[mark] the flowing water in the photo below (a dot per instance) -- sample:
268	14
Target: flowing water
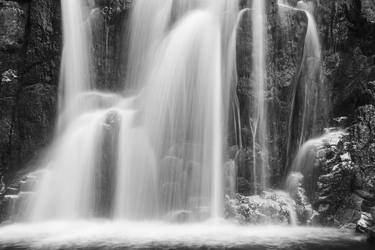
308	91
259	110
153	235
303	167
155	155
75	66
126	169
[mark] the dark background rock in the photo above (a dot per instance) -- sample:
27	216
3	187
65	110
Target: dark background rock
30	48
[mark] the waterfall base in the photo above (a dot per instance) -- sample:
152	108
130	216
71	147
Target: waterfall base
209	235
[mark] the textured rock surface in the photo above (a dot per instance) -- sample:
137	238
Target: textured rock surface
345	191
30	47
269	207
108	21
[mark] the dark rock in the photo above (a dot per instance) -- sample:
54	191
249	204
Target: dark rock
108	23
12	25
35	116
30	47
43	47
371	234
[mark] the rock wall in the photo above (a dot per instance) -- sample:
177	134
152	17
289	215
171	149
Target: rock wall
346	29
30	53
30	48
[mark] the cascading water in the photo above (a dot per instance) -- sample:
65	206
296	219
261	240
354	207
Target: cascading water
259	110
303	167
160	153
157	152
311	75
75	65
306	96
145	36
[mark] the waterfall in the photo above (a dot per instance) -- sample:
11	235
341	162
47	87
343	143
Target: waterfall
75	63
259	110
308	94
232	78
312	61
145	36
303	167
159	153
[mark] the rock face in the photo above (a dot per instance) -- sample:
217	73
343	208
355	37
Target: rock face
30	47
345	187
30	50
108	21
346	29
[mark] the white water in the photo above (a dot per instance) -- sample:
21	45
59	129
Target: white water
312	60
308	92
259	110
145	37
304	164
75	64
121	234
232	78
159	154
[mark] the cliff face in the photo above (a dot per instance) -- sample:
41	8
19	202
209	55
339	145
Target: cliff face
346	78
30	49
347	29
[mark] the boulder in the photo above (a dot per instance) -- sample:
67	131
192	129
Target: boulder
274	207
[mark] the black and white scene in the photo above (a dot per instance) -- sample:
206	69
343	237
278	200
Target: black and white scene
187	124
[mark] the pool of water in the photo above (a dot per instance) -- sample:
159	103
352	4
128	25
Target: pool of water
146	235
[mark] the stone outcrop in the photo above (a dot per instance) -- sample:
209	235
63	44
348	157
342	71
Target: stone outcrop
345	191
270	207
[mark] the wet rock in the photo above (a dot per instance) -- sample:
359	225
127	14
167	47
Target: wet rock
18	195
43	50
295	189
12	25
345	190
269	207
35	115
244	186
109	25
30	48
230	178
365	222
9	84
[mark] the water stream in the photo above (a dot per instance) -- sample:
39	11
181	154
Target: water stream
259	110
159	153
308	91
